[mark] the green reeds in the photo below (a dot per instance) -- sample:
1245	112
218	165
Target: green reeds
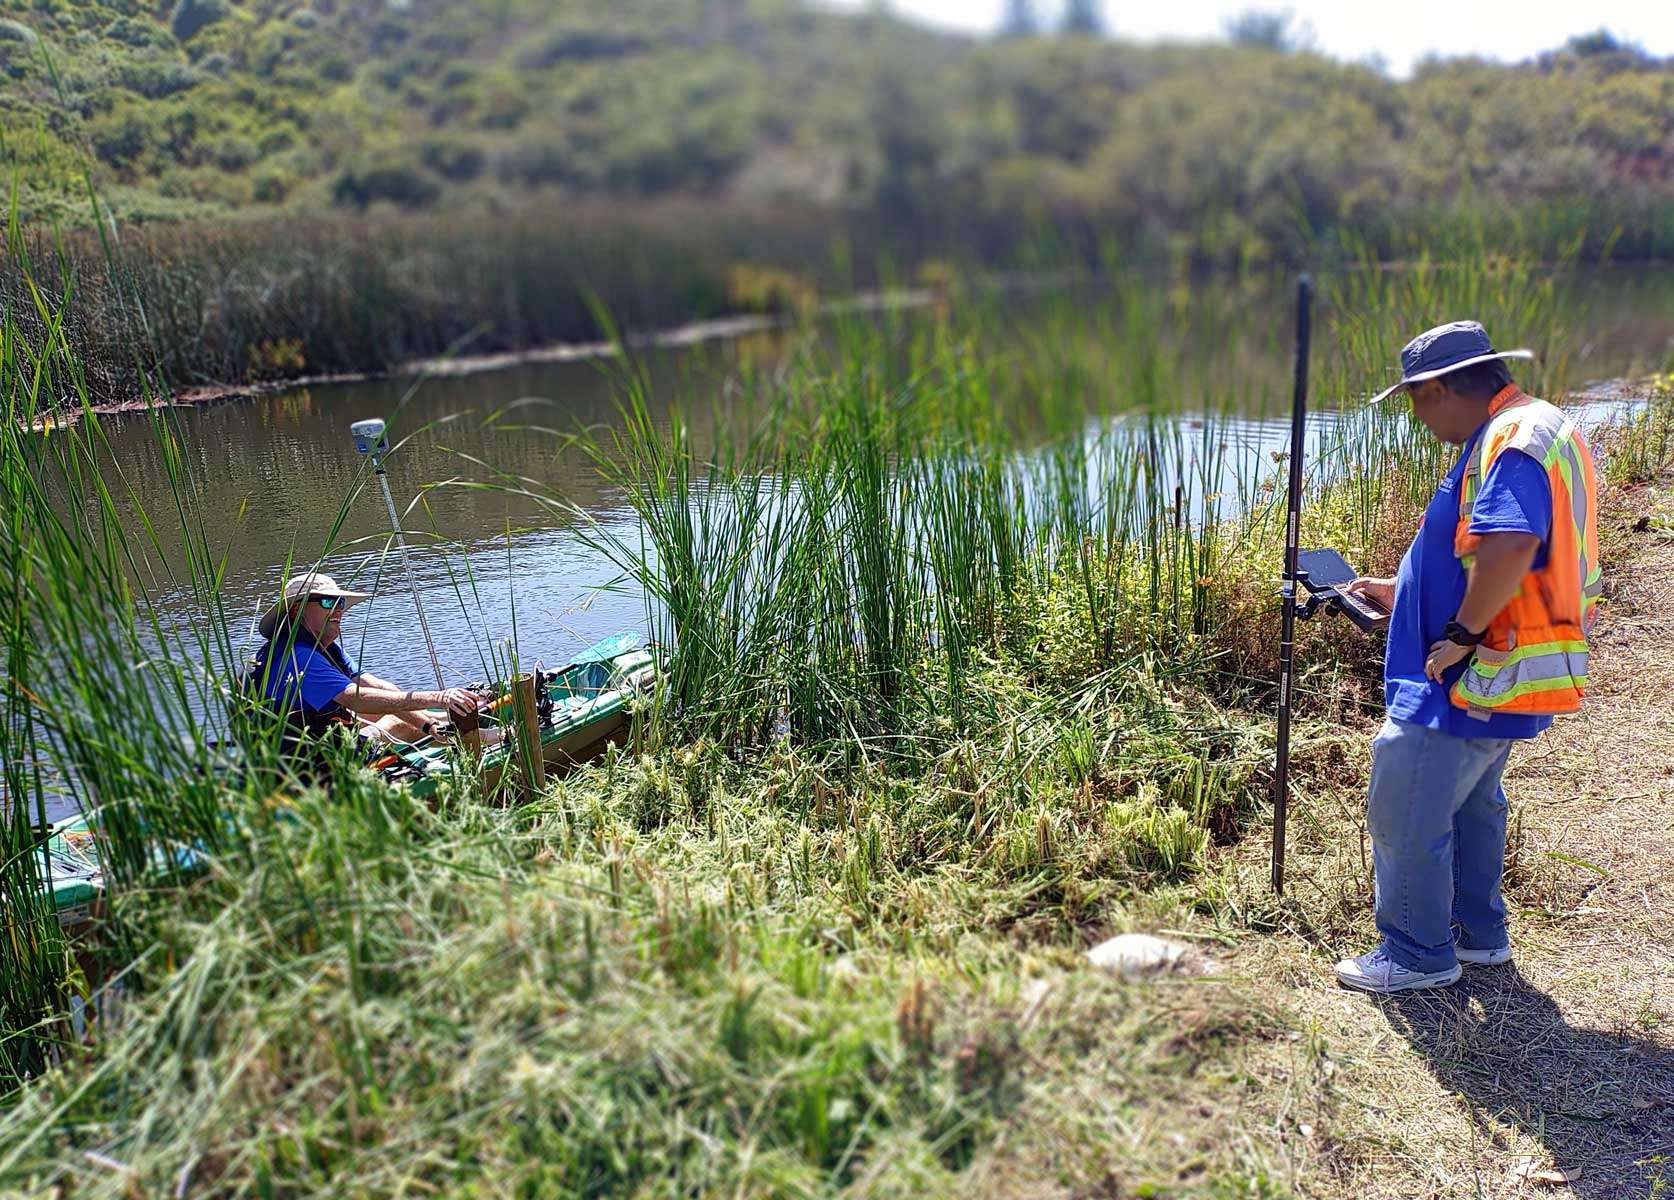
84	696
245	302
1638	445
904	486
120	688
845	568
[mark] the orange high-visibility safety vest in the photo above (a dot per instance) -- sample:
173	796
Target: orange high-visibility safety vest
1534	656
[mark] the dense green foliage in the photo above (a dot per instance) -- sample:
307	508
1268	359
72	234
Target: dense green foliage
210	106
491	172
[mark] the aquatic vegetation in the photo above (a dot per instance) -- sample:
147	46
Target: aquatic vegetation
907	503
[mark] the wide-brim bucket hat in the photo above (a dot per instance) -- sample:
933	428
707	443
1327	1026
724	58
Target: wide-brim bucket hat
304	587
1443	350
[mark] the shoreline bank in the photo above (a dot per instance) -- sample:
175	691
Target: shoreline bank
685	335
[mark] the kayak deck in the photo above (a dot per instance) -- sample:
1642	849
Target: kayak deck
583	706
76	879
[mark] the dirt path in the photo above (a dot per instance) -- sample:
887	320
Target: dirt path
1553	1076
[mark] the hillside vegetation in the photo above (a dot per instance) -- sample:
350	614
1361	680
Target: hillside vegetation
206	107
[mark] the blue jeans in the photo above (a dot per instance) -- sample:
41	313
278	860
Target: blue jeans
1436	813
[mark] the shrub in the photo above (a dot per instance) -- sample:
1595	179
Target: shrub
155	79
274	358
387	34
581	43
458	161
208	186
770	290
133	31
233	153
398	183
276	141
536	163
16	31
122	138
193	16
270	186
504	108
336	68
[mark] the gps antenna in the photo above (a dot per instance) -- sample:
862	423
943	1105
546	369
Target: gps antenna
370	441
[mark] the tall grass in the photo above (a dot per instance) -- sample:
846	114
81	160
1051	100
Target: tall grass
1638	446
336	991
247	301
120	688
113	724
848	565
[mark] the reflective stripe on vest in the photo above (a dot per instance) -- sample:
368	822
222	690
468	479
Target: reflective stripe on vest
1524	679
1533	659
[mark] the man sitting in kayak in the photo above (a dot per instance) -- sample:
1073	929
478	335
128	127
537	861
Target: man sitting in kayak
303	671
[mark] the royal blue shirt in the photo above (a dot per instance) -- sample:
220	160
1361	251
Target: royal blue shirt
307	673
1516	497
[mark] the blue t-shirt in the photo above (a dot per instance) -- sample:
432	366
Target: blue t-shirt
1515	497
306	672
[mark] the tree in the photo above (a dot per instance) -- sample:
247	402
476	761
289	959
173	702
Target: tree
906	118
1020	20
191	16
1084	18
1270	29
1600	41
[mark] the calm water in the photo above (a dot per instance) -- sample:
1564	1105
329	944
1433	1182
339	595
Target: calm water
273	473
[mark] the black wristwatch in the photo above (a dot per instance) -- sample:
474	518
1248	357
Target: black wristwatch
1460	636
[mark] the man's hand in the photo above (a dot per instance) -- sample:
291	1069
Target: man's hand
383	702
1380	592
457	701
1443	655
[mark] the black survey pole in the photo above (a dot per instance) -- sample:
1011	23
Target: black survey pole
1287	636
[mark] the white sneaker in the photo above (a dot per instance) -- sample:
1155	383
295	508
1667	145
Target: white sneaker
1377	972
1483	958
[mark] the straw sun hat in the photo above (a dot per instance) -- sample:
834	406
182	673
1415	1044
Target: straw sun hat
303	587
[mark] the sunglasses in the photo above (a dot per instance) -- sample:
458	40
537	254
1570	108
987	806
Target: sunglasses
327	602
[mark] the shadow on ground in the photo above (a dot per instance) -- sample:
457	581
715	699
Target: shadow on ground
1602	1103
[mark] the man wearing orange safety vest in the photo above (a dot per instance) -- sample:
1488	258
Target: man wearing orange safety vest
1487	641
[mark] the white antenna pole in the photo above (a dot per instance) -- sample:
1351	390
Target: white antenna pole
370	440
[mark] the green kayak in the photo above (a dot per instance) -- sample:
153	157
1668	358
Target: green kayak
581	709
76	880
